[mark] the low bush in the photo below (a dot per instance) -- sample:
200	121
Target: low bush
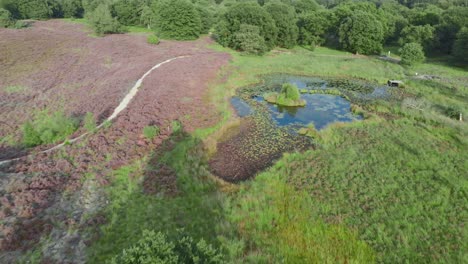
411	54
48	128
89	122
150	132
152	39
289	96
158	248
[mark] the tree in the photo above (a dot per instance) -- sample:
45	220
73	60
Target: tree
285	21
460	48
25	9
360	33
5	18
147	16
313	27
158	248
418	34
178	19
453	19
72	8
411	54
128	12
246	13
248	40
102	21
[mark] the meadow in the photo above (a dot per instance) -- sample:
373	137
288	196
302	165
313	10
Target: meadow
389	189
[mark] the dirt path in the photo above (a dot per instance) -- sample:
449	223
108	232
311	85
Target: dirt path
123	104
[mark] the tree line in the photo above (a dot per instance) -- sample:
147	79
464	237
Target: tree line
434	27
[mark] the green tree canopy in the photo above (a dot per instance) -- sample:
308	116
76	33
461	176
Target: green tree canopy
285	21
418	34
360	33
246	13
178	19
314	26
460	48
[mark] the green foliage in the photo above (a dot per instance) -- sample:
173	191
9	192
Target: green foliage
285	21
72	8
47	129
35	9
178	19
246	13
460	48
150	132
418	34
157	248
360	33
290	91
313	27
89	122
6	19
248	40
147	16
289	96
411	54
282	225
152	39
206	18
128	12
102	21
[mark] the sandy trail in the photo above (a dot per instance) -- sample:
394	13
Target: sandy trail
122	106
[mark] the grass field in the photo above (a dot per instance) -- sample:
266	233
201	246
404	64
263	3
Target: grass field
387	190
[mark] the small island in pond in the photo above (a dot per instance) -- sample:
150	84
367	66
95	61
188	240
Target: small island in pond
289	96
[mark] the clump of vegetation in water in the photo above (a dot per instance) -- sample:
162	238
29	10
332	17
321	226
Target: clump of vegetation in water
48	128
289	96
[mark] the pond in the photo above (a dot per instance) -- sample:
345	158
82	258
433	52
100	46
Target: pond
321	110
266	130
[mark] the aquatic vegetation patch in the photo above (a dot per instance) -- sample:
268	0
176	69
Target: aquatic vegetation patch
289	96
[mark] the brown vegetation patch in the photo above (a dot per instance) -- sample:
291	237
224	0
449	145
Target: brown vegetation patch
82	74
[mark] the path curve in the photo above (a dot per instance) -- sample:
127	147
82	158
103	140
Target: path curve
122	106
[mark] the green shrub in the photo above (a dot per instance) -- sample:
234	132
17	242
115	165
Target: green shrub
48	128
89	122
289	96
102	21
248	40
150	132
157	248
290	91
411	54
178	19
5	18
21	24
152	39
